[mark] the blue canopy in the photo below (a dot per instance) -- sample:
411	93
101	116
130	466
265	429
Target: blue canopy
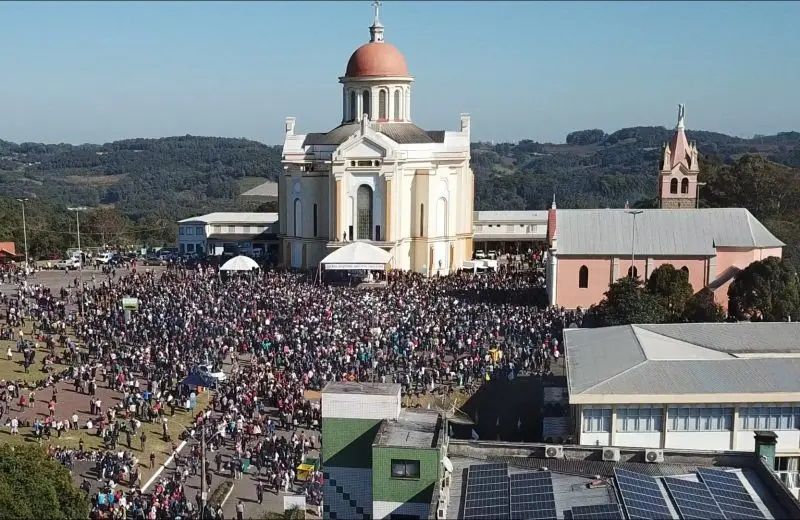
199	379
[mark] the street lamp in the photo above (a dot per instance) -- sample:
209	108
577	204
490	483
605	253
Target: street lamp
633	238
24	229
77	211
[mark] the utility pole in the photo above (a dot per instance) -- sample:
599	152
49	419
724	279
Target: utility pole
77	211
24	231
203	491
633	240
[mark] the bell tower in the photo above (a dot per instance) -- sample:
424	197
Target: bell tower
677	179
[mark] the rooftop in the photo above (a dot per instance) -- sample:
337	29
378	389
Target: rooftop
401	133
660	232
415	428
690	362
234	217
341	387
267	189
510	216
582	479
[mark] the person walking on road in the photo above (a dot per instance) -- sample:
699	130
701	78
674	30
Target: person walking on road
240	510
260	492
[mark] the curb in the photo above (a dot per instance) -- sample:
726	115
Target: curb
161	468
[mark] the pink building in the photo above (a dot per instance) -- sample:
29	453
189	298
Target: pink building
591	248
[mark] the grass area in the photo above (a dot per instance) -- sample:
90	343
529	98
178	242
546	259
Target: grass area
13	370
95	180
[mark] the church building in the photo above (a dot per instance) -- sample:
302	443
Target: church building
377	177
591	248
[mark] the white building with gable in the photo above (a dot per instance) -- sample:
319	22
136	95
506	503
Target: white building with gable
378	177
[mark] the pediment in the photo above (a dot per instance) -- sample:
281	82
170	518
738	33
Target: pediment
369	146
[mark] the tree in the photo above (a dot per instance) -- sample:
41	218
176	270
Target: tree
625	302
672	288
33	484
702	308
766	290
293	513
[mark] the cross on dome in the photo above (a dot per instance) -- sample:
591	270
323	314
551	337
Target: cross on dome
376	29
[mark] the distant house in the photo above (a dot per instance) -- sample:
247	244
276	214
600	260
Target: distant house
253	234
8	252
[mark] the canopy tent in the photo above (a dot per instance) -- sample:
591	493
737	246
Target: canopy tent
199	379
357	256
239	263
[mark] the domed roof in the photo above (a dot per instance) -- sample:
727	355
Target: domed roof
376	59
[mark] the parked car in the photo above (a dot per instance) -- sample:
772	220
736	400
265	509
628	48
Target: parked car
69	263
205	369
104	258
154	260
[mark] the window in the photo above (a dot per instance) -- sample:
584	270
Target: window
699	418
422	220
633	272
673	186
183	248
397	105
639	419
181	231
769	418
685	270
382	101
189	231
596	420
190	248
364	212
405	468
315	220
353	106
364	163
198	230
685	185
365	103
583	277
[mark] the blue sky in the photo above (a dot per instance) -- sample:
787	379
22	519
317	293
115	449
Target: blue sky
100	71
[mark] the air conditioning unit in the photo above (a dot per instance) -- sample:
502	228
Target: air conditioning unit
611	454
554	452
654	456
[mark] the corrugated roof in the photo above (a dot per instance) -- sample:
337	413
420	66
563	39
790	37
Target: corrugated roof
614	360
401	133
659	232
234	217
539	217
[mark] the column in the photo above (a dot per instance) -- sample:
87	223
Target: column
734	427
664	422
614	269
648	268
613	435
387	208
337	211
712	270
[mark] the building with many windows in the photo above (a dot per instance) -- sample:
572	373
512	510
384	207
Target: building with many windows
377	176
214	234
702	386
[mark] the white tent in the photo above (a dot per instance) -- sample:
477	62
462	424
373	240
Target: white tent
239	263
357	256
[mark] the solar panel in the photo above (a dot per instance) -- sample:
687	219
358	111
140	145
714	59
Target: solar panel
598	512
728	490
693	499
641	495
487	493
532	496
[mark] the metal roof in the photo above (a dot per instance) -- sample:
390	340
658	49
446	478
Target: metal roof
268	189
234	217
659	232
538	217
401	133
689	358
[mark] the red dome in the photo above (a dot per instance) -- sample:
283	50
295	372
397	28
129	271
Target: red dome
376	59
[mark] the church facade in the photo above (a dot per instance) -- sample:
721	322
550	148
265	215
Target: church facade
377	177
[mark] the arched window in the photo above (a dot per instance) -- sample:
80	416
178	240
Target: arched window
685	185
397	105
365	103
382	108
673	186
633	272
364	212
422	220
583	277
685	270
298	218
353	106
315	220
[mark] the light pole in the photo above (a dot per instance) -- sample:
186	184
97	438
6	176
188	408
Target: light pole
24	230
633	239
203	440
77	211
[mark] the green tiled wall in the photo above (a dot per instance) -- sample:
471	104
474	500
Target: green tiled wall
388	489
348	442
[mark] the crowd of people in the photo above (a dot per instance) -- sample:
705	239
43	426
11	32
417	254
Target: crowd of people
276	335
